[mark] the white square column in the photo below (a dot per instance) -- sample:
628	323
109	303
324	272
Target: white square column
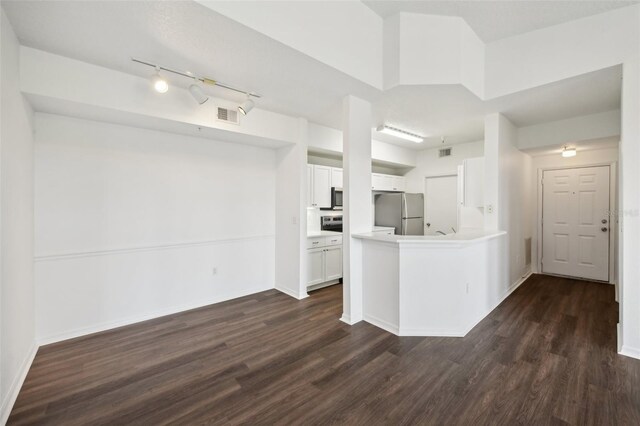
356	146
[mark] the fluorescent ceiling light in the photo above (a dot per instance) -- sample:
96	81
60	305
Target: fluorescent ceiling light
198	94
568	152
400	133
246	106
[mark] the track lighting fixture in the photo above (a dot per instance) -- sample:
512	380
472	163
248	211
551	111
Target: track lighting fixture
403	134
159	83
198	93
246	106
568	152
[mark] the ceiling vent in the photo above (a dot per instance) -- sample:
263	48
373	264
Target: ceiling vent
228	115
444	152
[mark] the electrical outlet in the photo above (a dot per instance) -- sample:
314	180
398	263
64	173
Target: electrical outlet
294	220
489	208
214	271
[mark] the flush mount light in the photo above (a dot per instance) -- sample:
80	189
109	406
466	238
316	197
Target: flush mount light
568	152
198	94
403	134
246	106
159	83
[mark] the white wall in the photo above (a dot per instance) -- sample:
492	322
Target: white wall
507	187
328	140
594	126
17	329
291	217
330	32
131	222
428	163
584	158
554	53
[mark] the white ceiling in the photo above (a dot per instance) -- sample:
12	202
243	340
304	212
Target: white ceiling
494	20
186	35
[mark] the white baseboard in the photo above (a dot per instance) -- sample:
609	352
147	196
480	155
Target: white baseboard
108	325
347	319
380	323
14	389
513	287
291	293
630	352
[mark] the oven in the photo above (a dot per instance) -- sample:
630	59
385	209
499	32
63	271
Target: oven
331	223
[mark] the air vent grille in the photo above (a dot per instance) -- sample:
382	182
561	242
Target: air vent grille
228	115
444	152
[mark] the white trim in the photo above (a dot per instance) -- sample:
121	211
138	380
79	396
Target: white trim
347	319
329	283
630	352
108	325
291	293
152	247
380	323
613	225
513	287
18	381
428	332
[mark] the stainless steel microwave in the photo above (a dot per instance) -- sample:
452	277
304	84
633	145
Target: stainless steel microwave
336	198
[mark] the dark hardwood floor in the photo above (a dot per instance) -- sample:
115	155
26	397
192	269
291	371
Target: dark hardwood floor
546	355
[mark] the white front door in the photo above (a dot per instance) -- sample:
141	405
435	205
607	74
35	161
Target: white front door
575	222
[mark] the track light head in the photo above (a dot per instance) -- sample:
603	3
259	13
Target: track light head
246	106
198	94
159	83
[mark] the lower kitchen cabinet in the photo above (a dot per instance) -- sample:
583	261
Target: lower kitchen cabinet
324	261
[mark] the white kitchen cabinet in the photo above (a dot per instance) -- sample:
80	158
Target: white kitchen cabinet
315	266
336	177
398	183
333	263
382	182
319	189
324	260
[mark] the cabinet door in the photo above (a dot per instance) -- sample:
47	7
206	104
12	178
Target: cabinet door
309	185
398	183
336	177
378	182
315	266
333	263
322	186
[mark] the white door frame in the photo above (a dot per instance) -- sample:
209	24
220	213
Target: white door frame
441	175
613	220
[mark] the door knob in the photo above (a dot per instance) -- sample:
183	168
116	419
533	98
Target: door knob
604	229
604	220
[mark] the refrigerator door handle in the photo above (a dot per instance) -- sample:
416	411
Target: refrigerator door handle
405	210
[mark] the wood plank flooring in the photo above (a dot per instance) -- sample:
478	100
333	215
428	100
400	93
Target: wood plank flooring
546	355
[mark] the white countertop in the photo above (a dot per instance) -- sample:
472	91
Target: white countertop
464	236
322	234
383	228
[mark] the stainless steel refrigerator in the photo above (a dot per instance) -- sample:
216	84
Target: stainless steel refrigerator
405	212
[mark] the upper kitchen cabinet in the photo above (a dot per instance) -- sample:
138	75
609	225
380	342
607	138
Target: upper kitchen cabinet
381	182
336	177
319	186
